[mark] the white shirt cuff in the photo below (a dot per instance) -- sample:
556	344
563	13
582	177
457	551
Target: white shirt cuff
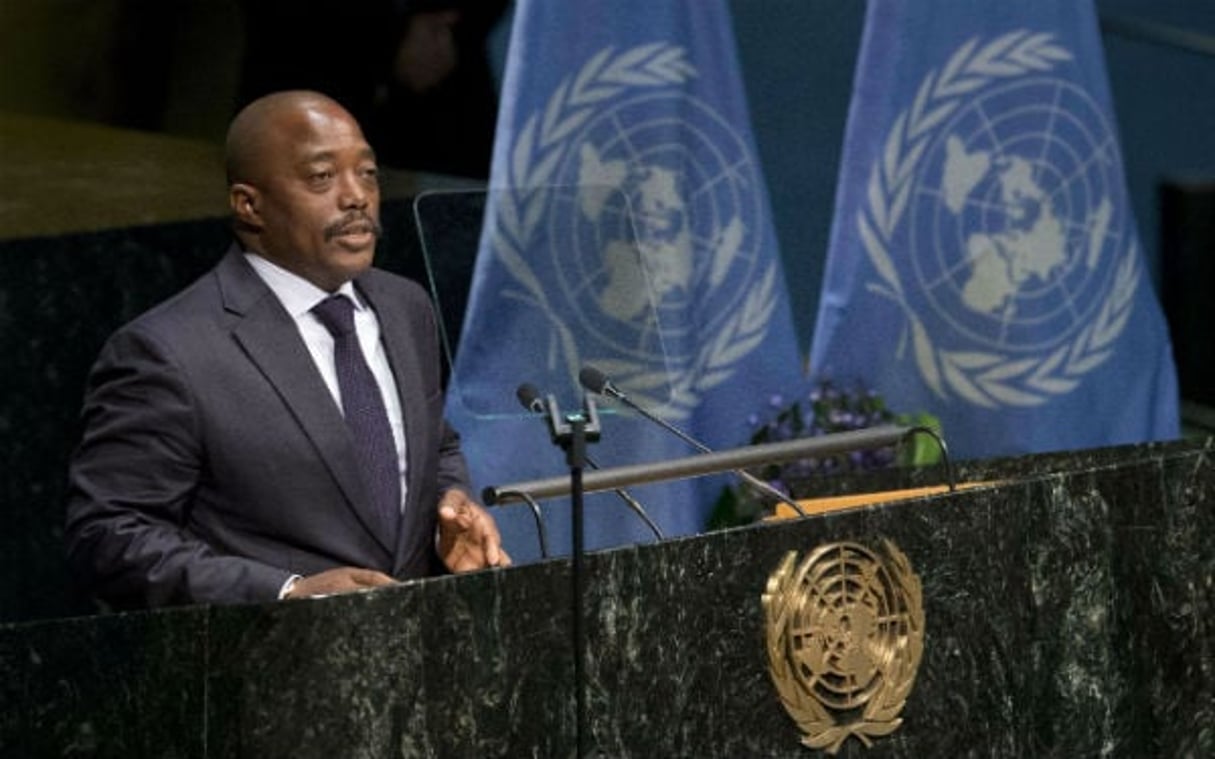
288	585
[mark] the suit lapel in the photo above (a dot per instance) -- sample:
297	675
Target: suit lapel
269	336
397	336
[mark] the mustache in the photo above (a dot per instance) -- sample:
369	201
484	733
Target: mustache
351	220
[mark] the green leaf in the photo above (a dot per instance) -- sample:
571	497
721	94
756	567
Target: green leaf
920	450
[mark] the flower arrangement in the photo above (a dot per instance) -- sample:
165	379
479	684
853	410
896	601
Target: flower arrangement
825	409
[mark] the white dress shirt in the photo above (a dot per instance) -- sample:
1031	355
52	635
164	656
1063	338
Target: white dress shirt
298	297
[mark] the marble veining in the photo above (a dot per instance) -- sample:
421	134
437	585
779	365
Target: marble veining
1068	613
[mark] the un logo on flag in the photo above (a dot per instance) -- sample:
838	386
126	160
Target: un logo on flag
634	223
1001	188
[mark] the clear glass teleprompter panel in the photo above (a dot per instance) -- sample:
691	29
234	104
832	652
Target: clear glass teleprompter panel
558	281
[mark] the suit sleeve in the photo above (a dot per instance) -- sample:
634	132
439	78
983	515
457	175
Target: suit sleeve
131	481
453	468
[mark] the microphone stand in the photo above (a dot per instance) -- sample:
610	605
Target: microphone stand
530	398
572	433
577	460
756	484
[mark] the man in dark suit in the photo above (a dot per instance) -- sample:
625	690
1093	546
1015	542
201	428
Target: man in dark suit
225	456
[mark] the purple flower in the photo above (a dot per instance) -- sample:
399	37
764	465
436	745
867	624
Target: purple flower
825	409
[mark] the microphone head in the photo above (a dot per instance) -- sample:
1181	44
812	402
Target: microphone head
530	398
594	380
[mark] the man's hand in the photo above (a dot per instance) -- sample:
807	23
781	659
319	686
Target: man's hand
340	580
468	537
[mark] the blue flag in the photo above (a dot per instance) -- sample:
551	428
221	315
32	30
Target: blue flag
984	264
627	227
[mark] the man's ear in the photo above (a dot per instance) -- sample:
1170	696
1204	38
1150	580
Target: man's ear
245	202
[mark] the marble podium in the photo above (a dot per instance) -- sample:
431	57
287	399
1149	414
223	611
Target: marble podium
1069	611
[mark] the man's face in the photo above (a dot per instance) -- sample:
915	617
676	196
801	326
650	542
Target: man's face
316	195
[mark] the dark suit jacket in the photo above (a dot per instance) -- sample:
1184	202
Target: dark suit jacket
215	463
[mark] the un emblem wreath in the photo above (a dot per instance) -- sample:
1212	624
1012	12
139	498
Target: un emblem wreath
984	378
844	634
535	156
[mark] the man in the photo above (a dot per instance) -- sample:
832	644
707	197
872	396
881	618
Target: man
240	445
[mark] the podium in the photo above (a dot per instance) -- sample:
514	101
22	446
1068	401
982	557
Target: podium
1069	610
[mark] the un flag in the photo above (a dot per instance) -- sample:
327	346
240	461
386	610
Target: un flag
627	227
984	263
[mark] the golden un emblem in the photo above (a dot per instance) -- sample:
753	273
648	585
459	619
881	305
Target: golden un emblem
845	633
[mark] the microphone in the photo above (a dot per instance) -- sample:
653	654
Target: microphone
531	399
597	382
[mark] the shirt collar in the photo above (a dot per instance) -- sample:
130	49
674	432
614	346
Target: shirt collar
297	294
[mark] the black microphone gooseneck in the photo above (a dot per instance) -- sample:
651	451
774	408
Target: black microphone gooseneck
531	399
541	532
597	382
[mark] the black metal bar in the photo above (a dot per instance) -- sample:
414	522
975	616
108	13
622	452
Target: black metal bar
577	461
705	463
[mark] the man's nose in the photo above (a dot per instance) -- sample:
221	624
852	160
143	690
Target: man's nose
352	193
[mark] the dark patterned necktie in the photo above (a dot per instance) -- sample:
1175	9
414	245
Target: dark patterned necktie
365	414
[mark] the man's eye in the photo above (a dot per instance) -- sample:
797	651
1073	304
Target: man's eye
371	172
321	176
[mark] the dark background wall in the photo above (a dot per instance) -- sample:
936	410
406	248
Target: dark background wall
90	234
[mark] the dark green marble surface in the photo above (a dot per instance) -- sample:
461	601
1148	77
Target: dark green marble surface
1069	612
131	685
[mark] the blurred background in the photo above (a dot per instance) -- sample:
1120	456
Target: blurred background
422	76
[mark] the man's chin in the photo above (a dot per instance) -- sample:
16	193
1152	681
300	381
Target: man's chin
344	264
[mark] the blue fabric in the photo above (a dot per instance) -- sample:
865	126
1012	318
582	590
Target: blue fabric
984	263
628	228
